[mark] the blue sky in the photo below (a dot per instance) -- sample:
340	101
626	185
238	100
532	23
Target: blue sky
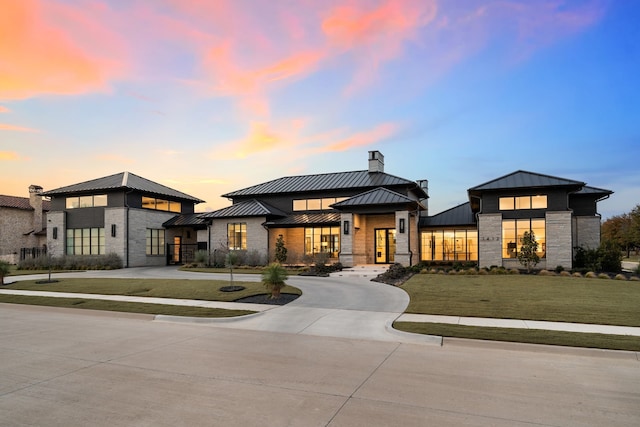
209	97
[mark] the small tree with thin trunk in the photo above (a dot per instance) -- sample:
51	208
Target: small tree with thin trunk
273	278
528	254
4	271
281	250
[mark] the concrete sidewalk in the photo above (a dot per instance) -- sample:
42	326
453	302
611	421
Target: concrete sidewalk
329	329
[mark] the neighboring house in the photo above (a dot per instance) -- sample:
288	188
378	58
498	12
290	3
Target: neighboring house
22	225
357	217
561	214
123	214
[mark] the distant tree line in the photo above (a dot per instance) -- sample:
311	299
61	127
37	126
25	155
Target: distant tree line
623	230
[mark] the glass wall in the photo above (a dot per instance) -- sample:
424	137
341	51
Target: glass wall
449	245
85	241
513	232
322	240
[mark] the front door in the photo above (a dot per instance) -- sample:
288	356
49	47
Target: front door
177	250
385	245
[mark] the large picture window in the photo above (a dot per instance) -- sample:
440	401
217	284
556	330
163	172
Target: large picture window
85	241
155	241
513	232
522	202
92	201
449	245
322	240
237	236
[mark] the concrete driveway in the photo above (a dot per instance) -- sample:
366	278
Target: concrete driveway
347	306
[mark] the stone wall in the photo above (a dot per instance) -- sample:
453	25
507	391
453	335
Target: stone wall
257	236
346	240
489	239
559	240
586	231
117	244
14	226
403	242
56	223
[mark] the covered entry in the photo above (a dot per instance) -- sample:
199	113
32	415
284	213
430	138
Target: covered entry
385	245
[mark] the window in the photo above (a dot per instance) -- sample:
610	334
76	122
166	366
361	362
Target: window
86	201
449	245
237	236
161	205
155	241
522	202
85	241
513	232
322	240
316	204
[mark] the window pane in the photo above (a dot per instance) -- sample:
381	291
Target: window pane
438	246
509	242
86	201
326	203
506	203
162	205
313	204
538	228
523	202
472	244
69	242
539	202
175	207
148	202
73	202
100	200
299	205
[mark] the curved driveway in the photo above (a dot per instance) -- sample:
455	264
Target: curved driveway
337	306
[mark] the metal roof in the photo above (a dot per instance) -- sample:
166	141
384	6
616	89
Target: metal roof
593	190
323	182
186	220
377	196
456	216
21	203
125	181
331	218
524	179
244	209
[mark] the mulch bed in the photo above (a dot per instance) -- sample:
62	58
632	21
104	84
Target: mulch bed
265	299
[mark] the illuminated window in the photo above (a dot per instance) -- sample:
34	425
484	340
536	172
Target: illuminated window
86	201
449	245
161	204
513	232
155	241
85	241
237	236
316	204
322	240
523	202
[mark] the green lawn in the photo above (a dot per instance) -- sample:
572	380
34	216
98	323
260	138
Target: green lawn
208	290
561	299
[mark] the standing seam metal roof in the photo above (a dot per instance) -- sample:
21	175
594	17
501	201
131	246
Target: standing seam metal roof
122	180
377	196
456	216
525	179
321	182
244	209
330	218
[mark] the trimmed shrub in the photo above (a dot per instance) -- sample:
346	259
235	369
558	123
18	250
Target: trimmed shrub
567	274
635	278
591	275
546	273
424	271
514	271
620	277
603	276
577	274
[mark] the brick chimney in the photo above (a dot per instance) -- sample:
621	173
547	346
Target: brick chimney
376	162
35	200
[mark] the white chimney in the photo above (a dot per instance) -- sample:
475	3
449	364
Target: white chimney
376	161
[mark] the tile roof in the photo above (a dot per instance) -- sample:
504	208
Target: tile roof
377	196
322	182
456	216
330	218
186	220
524	179
244	209
21	203
122	180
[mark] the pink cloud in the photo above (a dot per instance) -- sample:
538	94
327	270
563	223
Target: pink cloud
4	109
16	128
379	133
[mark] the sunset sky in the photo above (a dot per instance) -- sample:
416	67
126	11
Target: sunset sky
210	96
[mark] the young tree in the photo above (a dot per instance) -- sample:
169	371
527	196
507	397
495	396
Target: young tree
4	271
273	278
231	260
281	250
528	255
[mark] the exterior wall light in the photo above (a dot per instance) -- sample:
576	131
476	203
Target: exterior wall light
55	233
346	227
401	225
113	230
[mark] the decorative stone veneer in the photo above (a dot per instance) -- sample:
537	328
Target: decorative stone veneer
117	244
139	221
559	239
257	235
586	231
403	243
56	220
489	240
15	224
346	240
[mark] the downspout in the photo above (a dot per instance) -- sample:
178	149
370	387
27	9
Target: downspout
126	242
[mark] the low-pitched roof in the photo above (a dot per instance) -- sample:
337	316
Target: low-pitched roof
21	203
186	220
525	179
377	196
328	218
322	182
593	190
122	181
456	216
244	209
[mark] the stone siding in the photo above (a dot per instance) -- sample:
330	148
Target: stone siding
586	231
14	226
257	236
403	242
489	240
56	220
117	244
346	240
559	240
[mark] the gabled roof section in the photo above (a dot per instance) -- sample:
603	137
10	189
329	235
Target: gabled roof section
331	218
593	190
186	220
21	203
456	216
122	181
245	209
323	182
377	196
525	179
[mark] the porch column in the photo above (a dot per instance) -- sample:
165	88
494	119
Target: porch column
403	238
347	230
